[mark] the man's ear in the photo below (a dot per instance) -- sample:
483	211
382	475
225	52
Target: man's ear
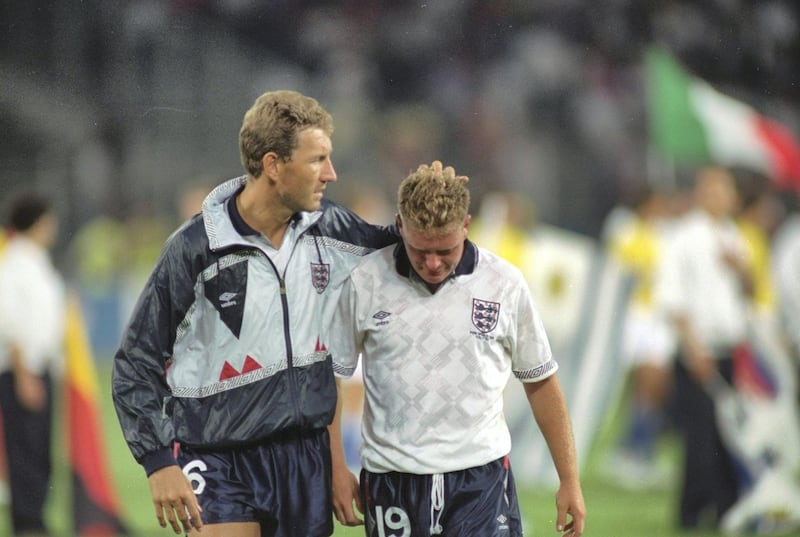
467	220
270	162
399	221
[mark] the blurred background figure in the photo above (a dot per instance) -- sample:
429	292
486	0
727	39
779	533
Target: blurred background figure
32	308
4	492
3	467
785	267
190	200
765	378
703	287
758	217
503	224
648	342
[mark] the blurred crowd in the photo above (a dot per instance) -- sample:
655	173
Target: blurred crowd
125	104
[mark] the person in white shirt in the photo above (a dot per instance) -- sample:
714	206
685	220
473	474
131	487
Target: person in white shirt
32	309
703	288
441	326
785	269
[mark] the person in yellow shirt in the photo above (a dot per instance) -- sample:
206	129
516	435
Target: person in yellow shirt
648	343
759	216
502	225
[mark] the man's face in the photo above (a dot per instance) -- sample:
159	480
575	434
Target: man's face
717	192
303	177
434	256
48	229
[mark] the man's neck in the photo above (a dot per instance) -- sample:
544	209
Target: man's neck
269	219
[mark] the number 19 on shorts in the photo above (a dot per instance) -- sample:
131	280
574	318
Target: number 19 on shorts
392	519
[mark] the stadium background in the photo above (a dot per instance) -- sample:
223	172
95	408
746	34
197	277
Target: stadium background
122	109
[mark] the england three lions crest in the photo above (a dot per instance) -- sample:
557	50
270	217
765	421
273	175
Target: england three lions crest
320	276
485	315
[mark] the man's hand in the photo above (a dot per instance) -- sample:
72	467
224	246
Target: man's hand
30	390
700	363
345	492
174	500
569	501
439	168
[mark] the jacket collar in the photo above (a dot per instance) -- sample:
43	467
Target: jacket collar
225	226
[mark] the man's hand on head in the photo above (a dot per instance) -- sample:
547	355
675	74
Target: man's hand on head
446	172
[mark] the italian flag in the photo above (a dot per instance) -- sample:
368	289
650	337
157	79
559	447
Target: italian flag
691	122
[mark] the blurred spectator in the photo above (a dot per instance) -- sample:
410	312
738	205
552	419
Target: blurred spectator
32	309
758	218
703	286
190	200
4	493
785	268
371	203
648	342
98	256
502	225
549	91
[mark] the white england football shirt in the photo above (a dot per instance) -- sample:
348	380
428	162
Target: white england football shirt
435	365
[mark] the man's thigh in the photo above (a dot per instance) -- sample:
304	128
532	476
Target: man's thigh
281	487
476	502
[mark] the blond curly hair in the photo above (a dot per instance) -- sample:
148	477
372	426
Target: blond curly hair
431	201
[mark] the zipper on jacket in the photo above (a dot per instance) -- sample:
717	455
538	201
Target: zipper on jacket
287	337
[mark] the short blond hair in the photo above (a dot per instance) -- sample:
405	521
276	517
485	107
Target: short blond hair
272	124
433	202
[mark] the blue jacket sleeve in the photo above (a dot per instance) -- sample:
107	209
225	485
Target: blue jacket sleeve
139	386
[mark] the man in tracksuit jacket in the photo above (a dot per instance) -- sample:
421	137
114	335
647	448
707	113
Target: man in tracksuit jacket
222	383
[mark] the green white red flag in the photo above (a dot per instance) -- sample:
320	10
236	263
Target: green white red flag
692	122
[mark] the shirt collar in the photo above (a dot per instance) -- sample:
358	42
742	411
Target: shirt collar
467	264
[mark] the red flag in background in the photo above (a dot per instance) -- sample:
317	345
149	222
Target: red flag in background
94	504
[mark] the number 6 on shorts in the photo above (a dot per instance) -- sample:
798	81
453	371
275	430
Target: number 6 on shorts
192	472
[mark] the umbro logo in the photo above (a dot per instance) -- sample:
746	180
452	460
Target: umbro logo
502	523
227	300
381	317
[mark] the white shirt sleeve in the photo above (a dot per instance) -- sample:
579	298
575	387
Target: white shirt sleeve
531	355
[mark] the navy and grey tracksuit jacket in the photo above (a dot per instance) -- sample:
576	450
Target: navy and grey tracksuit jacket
222	350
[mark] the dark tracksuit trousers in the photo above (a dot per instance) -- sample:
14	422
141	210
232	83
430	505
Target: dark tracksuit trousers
710	483
27	439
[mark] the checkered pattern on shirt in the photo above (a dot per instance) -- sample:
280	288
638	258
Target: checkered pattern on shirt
434	382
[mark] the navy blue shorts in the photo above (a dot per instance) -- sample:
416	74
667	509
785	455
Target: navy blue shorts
480	501
283	484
